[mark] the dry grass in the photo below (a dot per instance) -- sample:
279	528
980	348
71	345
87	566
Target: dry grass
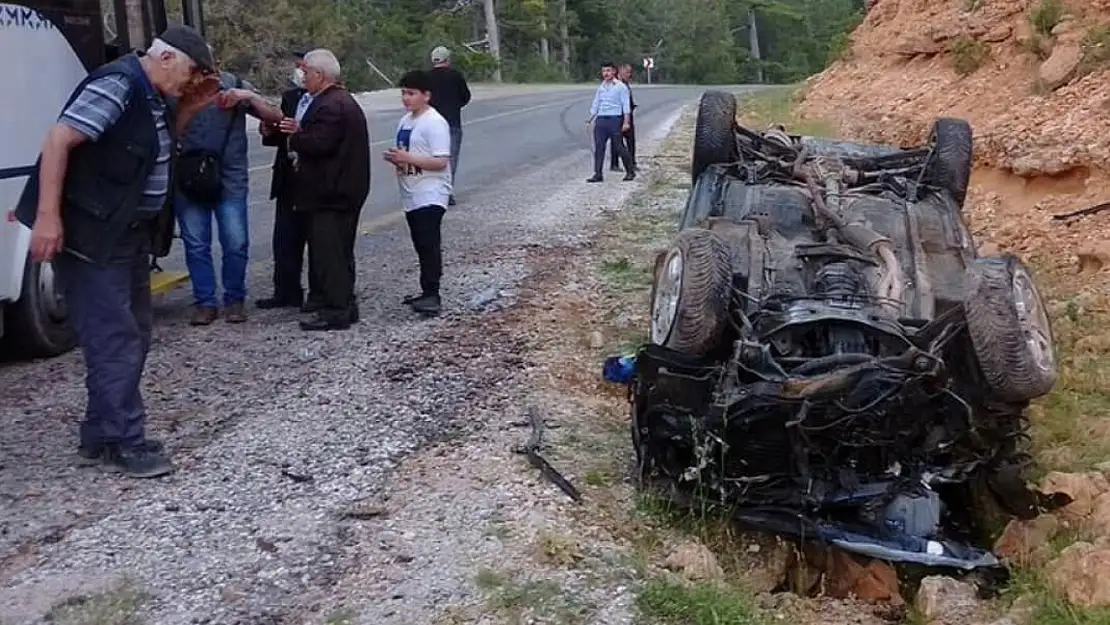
776	105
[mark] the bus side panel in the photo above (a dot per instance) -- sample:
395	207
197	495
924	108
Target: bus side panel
41	66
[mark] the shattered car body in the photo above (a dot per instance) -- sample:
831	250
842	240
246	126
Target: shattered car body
830	357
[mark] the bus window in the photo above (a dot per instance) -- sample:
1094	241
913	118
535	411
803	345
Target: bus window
78	20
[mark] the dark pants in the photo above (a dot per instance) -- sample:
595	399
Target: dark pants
331	259
608	130
289	242
424	226
629	144
110	308
456	145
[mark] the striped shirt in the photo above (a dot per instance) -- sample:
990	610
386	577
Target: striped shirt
100	105
612	99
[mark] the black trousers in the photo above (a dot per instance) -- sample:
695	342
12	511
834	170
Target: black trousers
607	131
629	139
331	260
291	228
424	226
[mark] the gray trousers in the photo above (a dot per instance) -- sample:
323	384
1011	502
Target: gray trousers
456	143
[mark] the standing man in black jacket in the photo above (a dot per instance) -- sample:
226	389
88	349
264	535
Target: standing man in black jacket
332	170
290	226
624	74
450	94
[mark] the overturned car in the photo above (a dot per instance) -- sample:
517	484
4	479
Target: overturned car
830	357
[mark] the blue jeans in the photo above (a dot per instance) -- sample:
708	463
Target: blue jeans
195	221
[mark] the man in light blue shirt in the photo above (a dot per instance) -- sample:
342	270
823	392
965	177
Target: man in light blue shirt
611	115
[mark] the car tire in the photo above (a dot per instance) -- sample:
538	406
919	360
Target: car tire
950	165
714	132
1010	330
691	292
37	325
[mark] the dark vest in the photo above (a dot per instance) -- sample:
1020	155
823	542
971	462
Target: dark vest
104	179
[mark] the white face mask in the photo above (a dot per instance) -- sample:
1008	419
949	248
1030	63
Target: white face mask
298	77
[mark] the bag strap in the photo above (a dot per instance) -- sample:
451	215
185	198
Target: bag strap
231	124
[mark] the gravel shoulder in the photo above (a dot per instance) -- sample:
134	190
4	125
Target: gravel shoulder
286	442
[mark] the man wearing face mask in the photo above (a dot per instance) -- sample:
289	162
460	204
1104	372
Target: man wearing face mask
290	238
101	183
328	133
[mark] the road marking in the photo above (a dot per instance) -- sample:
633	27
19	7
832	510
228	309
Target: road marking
480	120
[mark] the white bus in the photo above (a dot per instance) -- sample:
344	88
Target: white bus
48	47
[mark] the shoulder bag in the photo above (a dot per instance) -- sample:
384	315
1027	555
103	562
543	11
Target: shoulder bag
198	171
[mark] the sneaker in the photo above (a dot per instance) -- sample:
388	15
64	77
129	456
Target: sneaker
203	316
428	305
89	454
140	462
630	176
235	313
595	178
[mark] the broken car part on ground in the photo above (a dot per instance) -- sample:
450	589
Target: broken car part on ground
830	357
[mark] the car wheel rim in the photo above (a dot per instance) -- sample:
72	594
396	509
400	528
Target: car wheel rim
1034	321
664	309
50	297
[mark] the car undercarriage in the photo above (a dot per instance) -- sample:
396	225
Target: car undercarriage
830	356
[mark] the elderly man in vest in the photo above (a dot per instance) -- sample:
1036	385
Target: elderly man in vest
102	181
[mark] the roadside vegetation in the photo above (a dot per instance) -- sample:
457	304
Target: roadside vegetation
692	41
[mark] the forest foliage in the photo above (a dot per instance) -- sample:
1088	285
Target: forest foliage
691	41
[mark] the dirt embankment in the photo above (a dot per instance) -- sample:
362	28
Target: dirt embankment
1032	77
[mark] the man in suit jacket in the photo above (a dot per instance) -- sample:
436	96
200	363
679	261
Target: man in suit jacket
331	183
290	236
624	74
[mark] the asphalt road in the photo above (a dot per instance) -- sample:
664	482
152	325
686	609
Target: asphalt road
503	137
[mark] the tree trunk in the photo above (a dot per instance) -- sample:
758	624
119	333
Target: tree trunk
494	37
545	44
753	44
564	37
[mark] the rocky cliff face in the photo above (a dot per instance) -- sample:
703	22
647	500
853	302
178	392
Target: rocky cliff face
1032	77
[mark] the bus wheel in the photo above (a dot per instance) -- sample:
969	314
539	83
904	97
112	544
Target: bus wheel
38	324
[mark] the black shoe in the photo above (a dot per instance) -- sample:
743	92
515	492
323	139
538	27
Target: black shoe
323	324
451	201
140	462
311	307
89	454
629	176
278	302
595	178
428	305
615	168
409	299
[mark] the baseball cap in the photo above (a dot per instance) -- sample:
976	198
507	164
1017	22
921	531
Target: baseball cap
440	54
189	41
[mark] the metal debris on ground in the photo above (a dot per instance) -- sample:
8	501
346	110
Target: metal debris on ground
531	449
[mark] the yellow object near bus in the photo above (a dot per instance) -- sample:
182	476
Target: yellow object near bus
165	281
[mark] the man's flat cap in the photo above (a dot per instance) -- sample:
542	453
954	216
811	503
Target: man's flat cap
189	41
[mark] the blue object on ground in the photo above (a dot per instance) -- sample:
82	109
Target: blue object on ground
620	369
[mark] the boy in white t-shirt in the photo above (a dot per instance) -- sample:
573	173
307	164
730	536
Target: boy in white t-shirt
422	158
